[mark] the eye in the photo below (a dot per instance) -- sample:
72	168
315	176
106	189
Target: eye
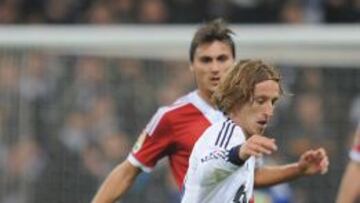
223	58
205	59
260	100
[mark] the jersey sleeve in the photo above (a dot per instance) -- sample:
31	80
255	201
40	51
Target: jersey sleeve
212	160
153	143
214	166
355	151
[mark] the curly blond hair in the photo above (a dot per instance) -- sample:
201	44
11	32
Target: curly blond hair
238	84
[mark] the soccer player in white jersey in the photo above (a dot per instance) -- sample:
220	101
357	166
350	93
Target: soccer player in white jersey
174	129
349	191
222	166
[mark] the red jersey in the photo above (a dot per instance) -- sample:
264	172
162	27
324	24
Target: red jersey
355	151
172	132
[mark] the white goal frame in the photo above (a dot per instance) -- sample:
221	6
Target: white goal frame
305	45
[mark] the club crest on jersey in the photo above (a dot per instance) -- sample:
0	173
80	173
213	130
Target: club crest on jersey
139	142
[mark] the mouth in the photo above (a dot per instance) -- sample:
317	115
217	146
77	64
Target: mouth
215	79
262	123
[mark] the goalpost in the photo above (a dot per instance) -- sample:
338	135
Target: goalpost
316	45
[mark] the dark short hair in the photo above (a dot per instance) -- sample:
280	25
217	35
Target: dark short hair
215	30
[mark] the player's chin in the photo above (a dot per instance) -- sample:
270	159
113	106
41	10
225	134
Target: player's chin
256	131
259	129
213	85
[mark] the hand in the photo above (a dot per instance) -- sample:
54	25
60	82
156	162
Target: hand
257	145
313	162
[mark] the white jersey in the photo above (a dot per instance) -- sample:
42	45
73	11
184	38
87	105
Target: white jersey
211	178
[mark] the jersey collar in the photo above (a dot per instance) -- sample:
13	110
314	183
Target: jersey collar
212	114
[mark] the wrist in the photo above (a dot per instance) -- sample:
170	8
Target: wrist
234	156
242	154
301	169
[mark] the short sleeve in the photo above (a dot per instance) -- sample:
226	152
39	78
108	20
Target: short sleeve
355	151
153	143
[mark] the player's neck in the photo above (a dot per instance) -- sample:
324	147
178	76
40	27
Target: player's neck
206	96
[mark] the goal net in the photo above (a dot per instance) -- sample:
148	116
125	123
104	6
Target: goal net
74	99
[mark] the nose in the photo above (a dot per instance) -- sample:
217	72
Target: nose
269	110
215	67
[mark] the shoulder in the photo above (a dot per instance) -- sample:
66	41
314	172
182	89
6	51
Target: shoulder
210	134
223	134
216	128
165	116
229	134
175	110
181	105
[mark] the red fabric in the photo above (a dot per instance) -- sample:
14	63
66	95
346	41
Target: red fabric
357	147
174	136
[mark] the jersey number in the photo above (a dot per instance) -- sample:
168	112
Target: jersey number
240	196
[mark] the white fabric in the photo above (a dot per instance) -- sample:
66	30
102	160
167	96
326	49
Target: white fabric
209	112
138	164
355	155
211	178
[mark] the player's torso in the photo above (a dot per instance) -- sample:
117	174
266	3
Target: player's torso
188	124
173	131
237	187
226	182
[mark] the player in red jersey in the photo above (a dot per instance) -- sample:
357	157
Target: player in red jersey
173	130
349	191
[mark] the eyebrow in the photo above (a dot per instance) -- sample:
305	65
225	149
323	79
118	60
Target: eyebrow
265	97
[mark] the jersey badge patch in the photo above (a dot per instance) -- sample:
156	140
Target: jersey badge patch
139	142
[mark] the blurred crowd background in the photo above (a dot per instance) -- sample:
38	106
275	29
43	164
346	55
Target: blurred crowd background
178	11
66	121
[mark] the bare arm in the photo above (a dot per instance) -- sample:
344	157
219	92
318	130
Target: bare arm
350	185
117	183
310	163
271	175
